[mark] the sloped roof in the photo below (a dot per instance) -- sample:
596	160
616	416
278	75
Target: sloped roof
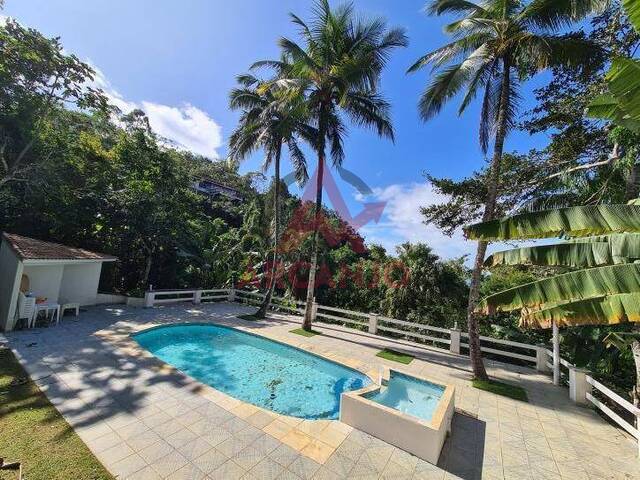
32	249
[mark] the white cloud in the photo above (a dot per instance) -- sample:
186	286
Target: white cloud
186	126
403	222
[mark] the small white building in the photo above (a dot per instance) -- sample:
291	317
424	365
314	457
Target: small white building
56	272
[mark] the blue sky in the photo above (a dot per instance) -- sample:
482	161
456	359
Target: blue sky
178	61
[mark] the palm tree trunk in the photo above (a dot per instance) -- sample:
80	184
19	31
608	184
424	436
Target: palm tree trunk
475	354
306	323
262	311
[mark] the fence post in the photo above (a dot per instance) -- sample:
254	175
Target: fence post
232	294
541	358
454	346
149	297
197	296
578	385
373	323
556	354
314	309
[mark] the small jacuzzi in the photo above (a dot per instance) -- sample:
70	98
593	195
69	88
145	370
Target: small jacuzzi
407	411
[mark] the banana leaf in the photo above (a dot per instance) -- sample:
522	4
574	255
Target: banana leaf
586	252
607	107
568	287
583	221
606	310
632	7
623	80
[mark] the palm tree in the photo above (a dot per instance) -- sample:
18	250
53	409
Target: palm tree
497	44
270	118
337	68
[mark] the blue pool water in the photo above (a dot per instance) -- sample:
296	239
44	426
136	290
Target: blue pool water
254	369
409	395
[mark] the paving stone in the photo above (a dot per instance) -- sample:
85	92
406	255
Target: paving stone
227	471
267	469
155	451
284	455
232	446
169	463
131	430
139	442
147	473
210	461
195	448
265	443
248	457
105	442
304	467
188	472
181	437
128	466
216	435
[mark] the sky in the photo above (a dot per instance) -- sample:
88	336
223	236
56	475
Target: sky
178	61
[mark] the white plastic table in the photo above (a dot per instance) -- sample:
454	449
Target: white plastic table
47	307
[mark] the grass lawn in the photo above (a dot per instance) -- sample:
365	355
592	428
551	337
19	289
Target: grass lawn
33	433
394	356
504	389
250	316
304	333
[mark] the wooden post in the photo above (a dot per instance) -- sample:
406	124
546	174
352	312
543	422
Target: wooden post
556	354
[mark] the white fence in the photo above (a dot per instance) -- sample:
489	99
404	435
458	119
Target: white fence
583	389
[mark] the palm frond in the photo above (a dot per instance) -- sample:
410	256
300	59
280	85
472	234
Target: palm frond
555	15
298	161
446	84
440	7
371	110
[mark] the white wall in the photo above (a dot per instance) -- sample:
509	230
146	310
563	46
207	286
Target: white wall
44	280
10	275
80	283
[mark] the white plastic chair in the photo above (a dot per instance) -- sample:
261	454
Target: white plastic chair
27	309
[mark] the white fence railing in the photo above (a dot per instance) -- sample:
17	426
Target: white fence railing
583	389
606	394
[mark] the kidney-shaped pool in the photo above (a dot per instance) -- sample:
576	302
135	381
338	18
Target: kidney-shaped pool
254	369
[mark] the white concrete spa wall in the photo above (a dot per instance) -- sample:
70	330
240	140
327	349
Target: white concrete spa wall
418	437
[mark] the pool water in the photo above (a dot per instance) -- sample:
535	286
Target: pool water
254	369
409	395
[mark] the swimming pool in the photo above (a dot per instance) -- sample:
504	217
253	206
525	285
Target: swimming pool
254	369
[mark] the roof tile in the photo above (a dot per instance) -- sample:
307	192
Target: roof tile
32	249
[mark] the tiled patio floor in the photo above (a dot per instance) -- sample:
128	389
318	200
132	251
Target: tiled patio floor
145	420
